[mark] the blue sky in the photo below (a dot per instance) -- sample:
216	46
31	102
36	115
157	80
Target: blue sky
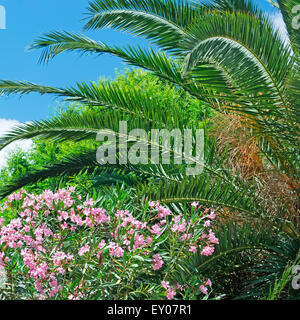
26	20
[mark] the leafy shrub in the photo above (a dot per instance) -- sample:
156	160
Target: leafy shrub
61	246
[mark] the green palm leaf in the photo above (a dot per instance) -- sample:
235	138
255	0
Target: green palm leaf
223	40
163	22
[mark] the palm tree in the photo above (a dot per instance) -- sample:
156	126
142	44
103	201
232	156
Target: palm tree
227	54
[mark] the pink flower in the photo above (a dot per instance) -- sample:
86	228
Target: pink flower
58	257
70	257
156	229
193	249
207	251
212	238
64	226
163	212
179	286
171	293
208	283
100	215
72	189
115	250
64	215
157	262
162	222
149	240
203	289
139	241
174	227
195	205
185	236
39	286
60	270
101	244
182	227
88	203
152	204
211	216
177	219
165	284
83	250
126	242
207	223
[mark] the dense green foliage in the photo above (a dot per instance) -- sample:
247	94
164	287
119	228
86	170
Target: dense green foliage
221	67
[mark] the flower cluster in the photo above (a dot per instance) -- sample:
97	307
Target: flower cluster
38	242
59	236
157	262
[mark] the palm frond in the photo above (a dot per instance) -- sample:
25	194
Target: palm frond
104	174
77	127
271	267
225	39
68	166
110	96
207	190
232	254
163	22
245	6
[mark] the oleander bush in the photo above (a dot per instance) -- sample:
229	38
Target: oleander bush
60	246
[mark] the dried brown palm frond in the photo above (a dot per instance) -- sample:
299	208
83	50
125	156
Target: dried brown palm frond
280	192
234	138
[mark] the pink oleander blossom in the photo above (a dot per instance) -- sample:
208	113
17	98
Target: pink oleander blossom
179	286
206	223
157	262
165	284
83	250
171	294
212	237
208	283
115	250
156	229
207	251
203	289
193	249
163	212
195	205
211	216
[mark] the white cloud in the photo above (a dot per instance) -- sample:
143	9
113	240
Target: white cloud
280	26
5	126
